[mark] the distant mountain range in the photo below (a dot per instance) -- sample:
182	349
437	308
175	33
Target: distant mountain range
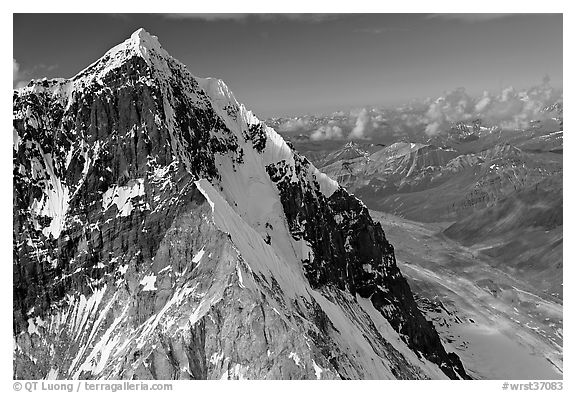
499	188
455	115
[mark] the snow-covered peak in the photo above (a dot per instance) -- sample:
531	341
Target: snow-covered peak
143	38
141	44
144	43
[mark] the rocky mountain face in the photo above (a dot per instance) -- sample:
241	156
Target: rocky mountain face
398	168
161	231
430	183
522	233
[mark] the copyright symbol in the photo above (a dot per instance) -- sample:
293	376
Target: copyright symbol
17	386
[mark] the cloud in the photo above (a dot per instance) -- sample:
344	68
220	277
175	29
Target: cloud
508	108
364	126
455	106
470	18
124	17
16	68
310	18
22	76
326	132
214	17
18	75
380	30
207	16
294	125
47	68
433	129
483	103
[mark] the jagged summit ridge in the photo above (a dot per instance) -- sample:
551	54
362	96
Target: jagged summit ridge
157	218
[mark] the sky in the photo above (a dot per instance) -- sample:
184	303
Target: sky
295	64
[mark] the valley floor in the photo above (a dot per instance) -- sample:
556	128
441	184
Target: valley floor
501	327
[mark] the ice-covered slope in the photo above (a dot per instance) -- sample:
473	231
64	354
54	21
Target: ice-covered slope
162	231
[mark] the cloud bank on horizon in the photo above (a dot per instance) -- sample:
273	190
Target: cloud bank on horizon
471	17
509	109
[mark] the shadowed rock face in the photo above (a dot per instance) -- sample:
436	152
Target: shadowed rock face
161	231
351	253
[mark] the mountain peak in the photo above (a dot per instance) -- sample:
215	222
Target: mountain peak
142	34
144	40
141	44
